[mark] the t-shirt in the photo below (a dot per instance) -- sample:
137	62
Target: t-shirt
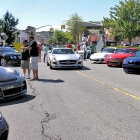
92	47
78	47
85	47
25	54
69	46
34	49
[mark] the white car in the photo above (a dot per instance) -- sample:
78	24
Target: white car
100	56
64	58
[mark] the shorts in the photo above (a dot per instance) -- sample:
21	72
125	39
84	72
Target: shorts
34	63
25	64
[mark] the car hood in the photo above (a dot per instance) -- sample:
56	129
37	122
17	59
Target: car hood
9	53
66	56
100	55
82	51
119	55
133	59
6	75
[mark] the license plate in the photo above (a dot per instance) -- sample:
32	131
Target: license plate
114	60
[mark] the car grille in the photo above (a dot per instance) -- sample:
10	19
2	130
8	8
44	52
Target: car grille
130	62
9	80
12	91
97	60
4	135
68	62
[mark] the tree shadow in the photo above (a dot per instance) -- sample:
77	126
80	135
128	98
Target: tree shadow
50	80
22	99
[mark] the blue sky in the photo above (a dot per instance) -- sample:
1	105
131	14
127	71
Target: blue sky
43	12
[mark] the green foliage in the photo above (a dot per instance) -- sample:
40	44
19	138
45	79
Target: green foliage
75	27
59	36
124	20
9	27
50	41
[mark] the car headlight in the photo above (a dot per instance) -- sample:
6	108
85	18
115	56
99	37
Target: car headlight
54	59
124	61
11	57
80	59
0	116
19	57
15	57
105	55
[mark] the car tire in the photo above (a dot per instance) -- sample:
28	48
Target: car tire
47	63
80	67
109	65
51	66
88	55
3	62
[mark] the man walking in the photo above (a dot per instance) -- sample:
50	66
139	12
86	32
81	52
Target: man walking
85	50
33	57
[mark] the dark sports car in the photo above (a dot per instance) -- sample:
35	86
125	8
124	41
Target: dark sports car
4	128
9	56
12	84
132	64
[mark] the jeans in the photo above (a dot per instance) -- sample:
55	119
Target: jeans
44	57
85	53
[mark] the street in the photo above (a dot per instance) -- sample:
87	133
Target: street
95	103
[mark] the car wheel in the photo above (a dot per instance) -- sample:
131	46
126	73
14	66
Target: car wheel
109	65
3	62
47	63
51	66
88	55
81	67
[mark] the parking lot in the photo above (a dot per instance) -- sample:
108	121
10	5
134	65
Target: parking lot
96	102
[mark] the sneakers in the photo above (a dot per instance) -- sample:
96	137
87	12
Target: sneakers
28	77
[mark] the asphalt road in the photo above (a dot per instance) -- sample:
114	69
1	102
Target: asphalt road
95	103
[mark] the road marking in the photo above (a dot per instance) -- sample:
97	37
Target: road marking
114	88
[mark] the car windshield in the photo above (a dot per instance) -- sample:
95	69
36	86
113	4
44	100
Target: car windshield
62	51
137	54
131	51
108	50
7	50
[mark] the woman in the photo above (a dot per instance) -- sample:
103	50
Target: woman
25	59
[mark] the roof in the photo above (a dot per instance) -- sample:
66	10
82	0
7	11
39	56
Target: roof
92	24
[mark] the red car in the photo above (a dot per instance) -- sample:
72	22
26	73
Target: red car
116	59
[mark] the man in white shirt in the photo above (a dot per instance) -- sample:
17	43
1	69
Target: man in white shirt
85	50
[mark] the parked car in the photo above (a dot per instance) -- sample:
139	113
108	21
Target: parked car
9	56
100	56
116	59
64	58
12	84
88	53
132	64
4	128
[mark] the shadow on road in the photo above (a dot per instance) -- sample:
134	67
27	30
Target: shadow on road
50	80
19	100
73	69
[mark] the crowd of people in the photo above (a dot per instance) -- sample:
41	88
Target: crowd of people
31	54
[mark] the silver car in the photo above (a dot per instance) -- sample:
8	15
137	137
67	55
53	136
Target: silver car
12	84
64	58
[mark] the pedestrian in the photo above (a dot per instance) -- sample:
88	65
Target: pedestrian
33	57
93	46
25	60
39	50
74	47
45	50
85	49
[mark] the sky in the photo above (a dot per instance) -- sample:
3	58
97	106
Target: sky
38	13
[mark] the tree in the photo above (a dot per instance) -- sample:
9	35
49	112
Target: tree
9	27
50	41
124	20
75	27
59	36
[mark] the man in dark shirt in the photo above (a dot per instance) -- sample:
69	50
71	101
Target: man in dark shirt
25	59
33	57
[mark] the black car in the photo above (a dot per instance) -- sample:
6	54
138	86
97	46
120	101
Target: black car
9	55
4	128
132	64
12	84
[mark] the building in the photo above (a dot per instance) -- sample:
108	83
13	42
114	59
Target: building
43	36
22	36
